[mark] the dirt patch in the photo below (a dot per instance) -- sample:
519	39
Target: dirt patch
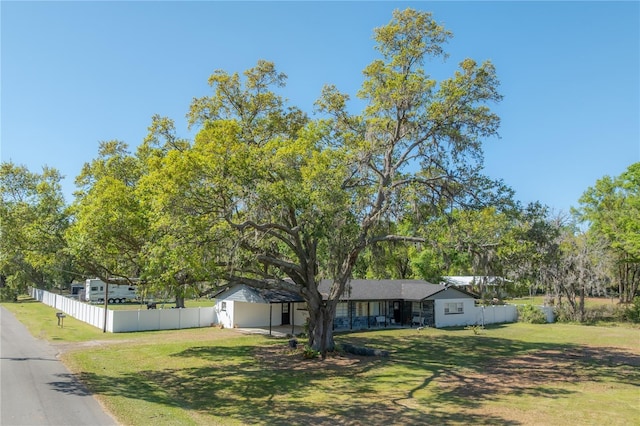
73	346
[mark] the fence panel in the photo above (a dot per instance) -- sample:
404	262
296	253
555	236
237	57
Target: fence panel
496	314
169	319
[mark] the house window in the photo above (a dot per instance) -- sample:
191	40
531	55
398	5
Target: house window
361	309
342	310
453	308
223	306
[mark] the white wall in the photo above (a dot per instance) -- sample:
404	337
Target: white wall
225	317
451	320
246	314
496	314
128	320
474	315
254	314
300	313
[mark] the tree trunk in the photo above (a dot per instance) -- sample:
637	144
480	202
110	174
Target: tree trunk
321	330
581	303
179	301
621	282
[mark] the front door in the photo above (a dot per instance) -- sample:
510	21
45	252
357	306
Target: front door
286	317
397	312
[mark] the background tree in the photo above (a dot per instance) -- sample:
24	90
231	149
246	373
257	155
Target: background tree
33	220
300	200
109	227
389	260
612	208
583	269
468	242
529	250
177	255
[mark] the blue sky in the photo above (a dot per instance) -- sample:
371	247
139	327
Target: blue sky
77	73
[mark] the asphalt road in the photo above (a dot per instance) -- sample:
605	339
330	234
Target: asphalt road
36	388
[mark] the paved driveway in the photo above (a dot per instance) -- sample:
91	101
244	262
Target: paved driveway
35	387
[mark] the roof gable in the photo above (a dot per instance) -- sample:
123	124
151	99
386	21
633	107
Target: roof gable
245	293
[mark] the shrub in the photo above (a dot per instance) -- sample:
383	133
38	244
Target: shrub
309	353
8	294
531	314
632	312
600	313
475	328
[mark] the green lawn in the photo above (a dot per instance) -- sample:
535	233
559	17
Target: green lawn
553	374
589	301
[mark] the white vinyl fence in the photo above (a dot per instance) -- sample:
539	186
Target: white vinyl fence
506	313
496	314
123	321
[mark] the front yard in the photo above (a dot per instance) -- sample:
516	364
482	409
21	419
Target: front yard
550	374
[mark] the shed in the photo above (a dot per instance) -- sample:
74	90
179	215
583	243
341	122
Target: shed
244	306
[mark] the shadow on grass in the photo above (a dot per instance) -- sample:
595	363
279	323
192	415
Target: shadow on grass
470	370
432	379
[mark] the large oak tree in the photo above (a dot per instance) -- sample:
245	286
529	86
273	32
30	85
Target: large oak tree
290	200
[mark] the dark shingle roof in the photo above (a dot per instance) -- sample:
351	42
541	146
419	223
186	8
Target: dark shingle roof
245	293
279	296
385	289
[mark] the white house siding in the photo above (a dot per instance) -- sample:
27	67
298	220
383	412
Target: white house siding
255	314
242	314
300	313
467	317
225	316
252	314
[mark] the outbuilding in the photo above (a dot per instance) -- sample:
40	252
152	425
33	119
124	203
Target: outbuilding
242	306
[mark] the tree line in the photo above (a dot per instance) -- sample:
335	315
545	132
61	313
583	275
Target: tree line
266	195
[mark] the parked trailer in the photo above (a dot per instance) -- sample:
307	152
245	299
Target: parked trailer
118	293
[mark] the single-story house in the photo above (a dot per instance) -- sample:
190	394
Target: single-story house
368	303
365	304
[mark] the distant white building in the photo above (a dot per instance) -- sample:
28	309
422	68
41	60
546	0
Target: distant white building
473	280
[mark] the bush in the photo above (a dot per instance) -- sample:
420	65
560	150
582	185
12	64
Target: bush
593	314
309	353
531	314
632	312
599	313
8	294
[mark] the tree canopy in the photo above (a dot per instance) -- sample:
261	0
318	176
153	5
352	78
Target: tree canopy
287	200
612	207
33	220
